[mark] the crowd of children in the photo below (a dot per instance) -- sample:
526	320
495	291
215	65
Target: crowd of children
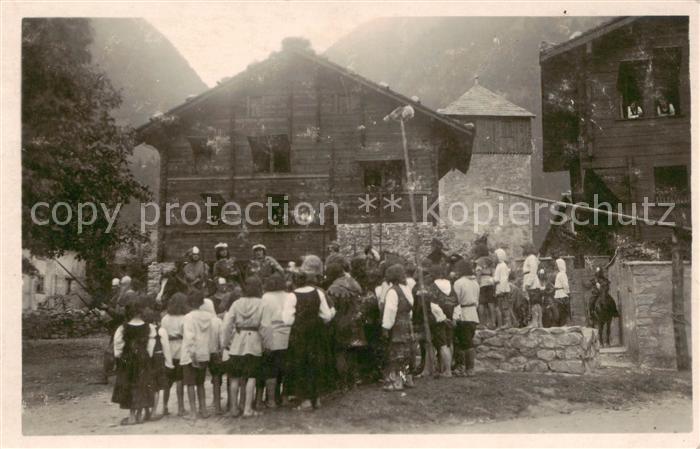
288	337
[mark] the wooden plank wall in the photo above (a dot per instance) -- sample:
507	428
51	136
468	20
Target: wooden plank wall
630	148
324	115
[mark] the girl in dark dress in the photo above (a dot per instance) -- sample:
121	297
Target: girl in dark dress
306	313
134	342
398	331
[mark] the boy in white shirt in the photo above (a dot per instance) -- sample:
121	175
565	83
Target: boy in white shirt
500	277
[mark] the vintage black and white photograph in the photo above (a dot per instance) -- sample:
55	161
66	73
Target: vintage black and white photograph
346	218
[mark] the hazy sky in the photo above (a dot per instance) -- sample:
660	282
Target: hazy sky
222	43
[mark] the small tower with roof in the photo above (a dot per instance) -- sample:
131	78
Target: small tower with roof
502	158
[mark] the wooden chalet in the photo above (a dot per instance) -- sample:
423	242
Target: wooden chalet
295	128
616	115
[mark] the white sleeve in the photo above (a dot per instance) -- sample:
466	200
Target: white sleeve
215	336
152	335
227	328
289	310
391	306
326	313
165	344
187	349
558	281
437	312
497	274
457	313
119	342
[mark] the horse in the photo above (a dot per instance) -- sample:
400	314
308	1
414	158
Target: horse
602	311
521	308
550	312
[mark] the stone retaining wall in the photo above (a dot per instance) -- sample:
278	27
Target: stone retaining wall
571	349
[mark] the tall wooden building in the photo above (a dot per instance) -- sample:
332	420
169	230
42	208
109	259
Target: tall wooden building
616	114
283	140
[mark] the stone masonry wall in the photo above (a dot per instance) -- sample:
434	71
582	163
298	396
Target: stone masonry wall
643	292
571	350
395	237
506	171
155	273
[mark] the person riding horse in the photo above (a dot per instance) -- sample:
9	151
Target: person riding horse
602	307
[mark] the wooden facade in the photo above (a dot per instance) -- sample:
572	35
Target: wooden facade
294	128
588	84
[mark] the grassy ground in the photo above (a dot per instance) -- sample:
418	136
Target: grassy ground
58	370
59	373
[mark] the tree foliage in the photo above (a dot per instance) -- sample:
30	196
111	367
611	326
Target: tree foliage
72	149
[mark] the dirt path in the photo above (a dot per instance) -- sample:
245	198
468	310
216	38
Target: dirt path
59	399
668	415
95	415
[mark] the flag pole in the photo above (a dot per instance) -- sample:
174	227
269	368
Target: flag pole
429	362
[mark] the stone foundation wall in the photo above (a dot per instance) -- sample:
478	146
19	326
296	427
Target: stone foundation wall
571	350
395	237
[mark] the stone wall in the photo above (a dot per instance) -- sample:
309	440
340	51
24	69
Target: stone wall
155	273
511	172
571	350
395	237
642	290
63	323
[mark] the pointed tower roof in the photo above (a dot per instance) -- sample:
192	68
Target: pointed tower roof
479	101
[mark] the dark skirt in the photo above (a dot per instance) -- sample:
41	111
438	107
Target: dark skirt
244	366
274	364
487	295
464	335
441	334
217	367
307	358
133	387
400	355
174	374
159	372
192	375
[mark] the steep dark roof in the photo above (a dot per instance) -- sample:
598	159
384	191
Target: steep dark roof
384	90
479	101
593	33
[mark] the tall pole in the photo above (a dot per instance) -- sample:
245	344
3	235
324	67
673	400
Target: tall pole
429	364
678	303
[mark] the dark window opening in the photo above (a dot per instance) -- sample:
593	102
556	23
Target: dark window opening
666	67
217	203
671	185
631	79
39	286
277	209
69	285
386	176
270	153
